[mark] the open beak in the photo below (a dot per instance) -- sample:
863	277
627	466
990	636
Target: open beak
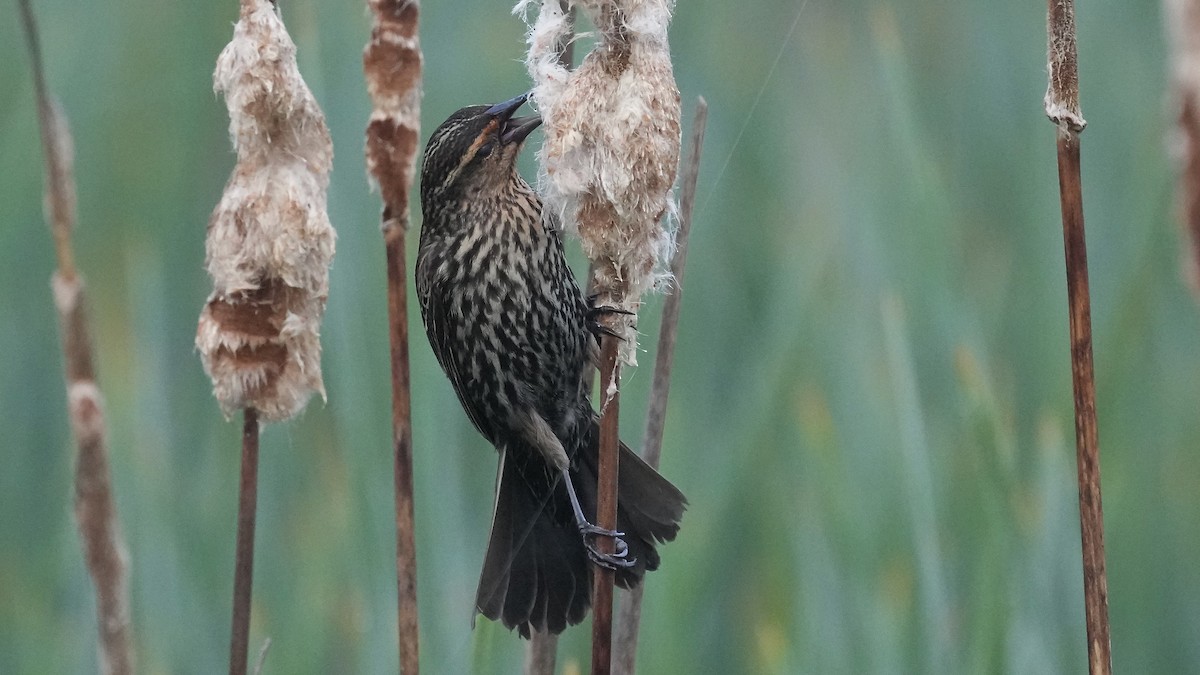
517	128
514	129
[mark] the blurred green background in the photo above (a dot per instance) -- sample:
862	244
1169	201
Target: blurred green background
871	409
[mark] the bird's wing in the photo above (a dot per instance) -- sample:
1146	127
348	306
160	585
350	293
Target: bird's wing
439	326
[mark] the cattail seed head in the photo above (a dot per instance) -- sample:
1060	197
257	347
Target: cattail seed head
392	66
612	140
269	242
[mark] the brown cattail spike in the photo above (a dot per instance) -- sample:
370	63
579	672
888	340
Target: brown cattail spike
392	65
269	243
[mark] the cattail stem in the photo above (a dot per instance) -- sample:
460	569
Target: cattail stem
660	386
630	615
606	504
1087	448
406	549
58	177
392	68
243	567
1062	106
95	510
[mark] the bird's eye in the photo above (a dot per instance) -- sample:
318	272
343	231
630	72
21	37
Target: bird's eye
484	150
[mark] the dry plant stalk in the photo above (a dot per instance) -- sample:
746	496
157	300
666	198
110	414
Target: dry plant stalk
104	548
268	252
606	505
1183	26
630	615
243	566
392	67
607	167
1062	107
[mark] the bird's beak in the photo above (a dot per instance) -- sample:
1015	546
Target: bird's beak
517	128
513	129
506	109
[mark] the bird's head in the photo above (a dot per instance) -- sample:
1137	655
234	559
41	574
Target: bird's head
475	149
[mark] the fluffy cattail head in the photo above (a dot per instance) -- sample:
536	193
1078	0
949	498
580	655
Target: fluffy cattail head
269	243
612	140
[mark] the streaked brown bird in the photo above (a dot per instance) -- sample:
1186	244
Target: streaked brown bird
515	335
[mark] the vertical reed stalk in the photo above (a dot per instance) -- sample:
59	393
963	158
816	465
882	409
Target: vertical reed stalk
406	547
606	504
630	615
96	518
392	66
1062	106
243	567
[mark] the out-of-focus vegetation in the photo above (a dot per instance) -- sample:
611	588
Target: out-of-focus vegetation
872	404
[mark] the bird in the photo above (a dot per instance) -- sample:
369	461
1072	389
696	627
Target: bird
516	337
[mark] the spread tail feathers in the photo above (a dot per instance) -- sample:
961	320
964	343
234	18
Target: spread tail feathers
536	574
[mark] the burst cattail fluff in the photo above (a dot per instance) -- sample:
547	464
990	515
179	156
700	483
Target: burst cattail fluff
269	243
612	140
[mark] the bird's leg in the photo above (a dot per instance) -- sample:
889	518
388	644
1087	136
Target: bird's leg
597	329
612	561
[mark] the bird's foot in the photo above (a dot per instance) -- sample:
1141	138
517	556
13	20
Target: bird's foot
595	312
616	560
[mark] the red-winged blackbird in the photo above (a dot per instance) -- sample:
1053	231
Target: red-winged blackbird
515	336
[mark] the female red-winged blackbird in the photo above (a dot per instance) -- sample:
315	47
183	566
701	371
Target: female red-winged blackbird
515	336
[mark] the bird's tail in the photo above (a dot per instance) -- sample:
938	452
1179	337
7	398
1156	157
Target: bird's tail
536	573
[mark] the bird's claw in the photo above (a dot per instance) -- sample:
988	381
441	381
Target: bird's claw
614	561
597	329
601	310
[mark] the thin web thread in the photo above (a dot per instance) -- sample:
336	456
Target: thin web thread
787	39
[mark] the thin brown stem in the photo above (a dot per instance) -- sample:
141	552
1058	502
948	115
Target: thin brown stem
1087	445
660	387
392	65
243	567
629	616
1062	106
589	373
56	150
606	504
406	549
95	511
